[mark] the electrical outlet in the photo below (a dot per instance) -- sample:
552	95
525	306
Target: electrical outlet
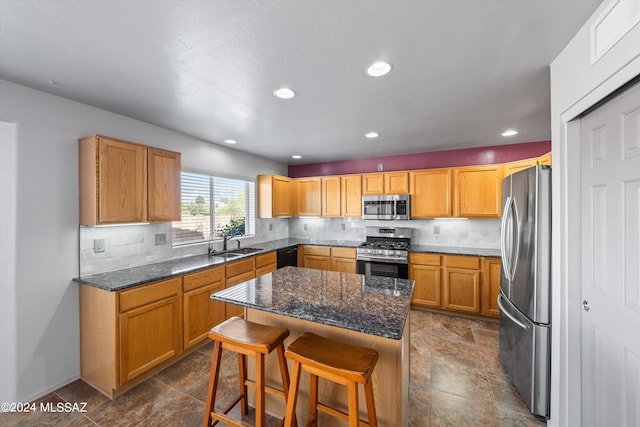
436	229
305	227
270	227
380	167
344	227
98	245
161	239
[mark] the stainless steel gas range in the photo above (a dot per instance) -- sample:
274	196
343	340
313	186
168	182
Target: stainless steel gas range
385	252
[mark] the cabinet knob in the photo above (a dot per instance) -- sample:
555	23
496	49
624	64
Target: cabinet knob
585	305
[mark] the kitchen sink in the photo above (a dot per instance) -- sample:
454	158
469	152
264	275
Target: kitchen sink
242	251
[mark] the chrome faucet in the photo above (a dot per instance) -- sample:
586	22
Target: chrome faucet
226	238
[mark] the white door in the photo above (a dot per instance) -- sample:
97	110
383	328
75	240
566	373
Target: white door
610	193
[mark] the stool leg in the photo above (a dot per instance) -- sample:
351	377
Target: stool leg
213	383
353	404
293	395
260	390
242	374
313	398
371	404
284	373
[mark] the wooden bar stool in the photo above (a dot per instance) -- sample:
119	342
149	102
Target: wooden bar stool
247	339
335	361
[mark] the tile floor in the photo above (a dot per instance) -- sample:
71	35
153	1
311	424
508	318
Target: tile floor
456	380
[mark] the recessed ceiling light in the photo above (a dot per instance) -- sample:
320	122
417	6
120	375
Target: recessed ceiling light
296	156
284	93
230	141
509	132
372	134
378	69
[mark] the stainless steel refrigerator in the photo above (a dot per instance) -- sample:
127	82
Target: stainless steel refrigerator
525	285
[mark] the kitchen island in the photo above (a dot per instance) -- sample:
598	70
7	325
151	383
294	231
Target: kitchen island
366	311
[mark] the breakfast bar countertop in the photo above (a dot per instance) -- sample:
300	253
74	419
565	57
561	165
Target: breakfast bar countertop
372	305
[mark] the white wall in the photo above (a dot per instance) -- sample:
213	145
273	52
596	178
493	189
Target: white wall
576	85
8	166
46	254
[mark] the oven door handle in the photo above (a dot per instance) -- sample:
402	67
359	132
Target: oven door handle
382	260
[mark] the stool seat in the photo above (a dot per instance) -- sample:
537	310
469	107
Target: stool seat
249	335
247	339
334	361
338	358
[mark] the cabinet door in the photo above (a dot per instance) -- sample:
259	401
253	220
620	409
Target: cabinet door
317	262
513	167
351	192
201	313
281	197
149	335
461	290
426	291
122	182
309	196
234	309
491	287
163	185
372	184
331	196
477	192
431	193
396	183
344	265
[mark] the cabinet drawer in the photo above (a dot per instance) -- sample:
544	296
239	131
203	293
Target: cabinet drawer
265	259
468	262
234	280
424	259
343	252
240	267
317	250
150	293
202	278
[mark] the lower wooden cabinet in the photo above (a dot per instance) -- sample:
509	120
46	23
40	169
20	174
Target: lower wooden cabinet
201	313
236	273
491	274
266	263
461	285
329	258
343	259
425	270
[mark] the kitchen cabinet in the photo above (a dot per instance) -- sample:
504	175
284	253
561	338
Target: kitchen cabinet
385	183
513	167
477	191
545	159
237	272
331	196
201	313
275	196
150	327
266	263
491	274
461	283
123	182
431	193
426	271
309	196
351	195
343	259
318	257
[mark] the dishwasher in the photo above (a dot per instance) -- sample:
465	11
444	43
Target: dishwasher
288	256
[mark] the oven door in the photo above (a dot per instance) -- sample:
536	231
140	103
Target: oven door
386	269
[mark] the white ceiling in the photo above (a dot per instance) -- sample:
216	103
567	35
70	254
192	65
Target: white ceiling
463	70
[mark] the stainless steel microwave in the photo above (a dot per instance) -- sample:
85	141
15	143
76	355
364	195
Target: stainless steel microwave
387	207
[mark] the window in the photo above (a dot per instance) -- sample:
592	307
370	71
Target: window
233	210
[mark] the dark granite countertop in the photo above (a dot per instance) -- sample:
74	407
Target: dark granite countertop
373	305
125	278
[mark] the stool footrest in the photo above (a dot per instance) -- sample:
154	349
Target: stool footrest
267	388
228	420
338	414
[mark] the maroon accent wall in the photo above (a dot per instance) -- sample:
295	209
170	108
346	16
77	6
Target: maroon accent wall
434	159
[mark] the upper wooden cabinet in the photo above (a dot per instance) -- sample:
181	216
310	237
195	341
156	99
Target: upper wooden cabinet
309	196
331	196
351	195
385	183
513	167
274	196
477	191
124	182
430	193
545	159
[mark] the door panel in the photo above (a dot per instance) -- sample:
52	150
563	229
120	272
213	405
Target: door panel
610	259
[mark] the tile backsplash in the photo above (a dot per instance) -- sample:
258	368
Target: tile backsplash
133	245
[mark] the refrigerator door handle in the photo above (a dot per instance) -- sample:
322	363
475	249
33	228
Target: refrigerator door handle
509	315
506	255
